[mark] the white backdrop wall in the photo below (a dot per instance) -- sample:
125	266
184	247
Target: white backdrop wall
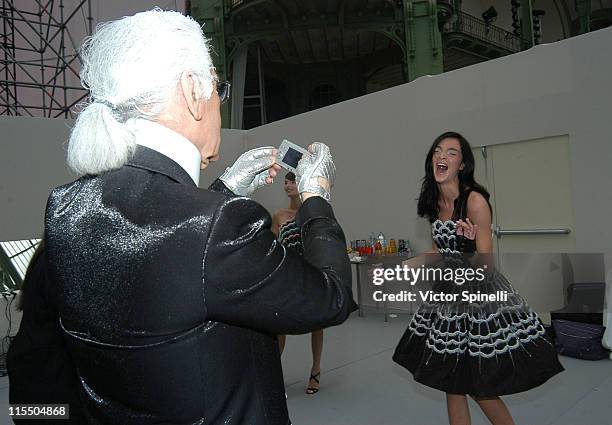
31	164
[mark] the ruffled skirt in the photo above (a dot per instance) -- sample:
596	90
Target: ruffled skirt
482	348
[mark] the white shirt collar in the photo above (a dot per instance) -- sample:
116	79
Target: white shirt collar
169	143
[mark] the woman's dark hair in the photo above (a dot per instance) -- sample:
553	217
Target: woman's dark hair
28	274
428	199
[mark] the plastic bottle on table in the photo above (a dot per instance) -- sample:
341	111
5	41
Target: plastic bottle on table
407	248
383	241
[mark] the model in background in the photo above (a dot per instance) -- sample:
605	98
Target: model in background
170	296
288	233
40	368
483	349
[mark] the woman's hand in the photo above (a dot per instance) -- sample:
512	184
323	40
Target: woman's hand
466	229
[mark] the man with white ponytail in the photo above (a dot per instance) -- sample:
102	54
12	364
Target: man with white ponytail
170	296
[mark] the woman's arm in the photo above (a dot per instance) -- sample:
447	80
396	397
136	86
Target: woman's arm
434	248
477	226
275	223
479	214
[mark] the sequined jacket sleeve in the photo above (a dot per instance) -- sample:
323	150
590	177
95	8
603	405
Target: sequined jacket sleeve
251	280
218	186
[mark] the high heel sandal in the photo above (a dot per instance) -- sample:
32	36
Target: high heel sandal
315	377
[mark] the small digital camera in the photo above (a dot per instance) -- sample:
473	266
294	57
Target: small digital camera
289	154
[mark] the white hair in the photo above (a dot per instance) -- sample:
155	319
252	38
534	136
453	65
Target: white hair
132	68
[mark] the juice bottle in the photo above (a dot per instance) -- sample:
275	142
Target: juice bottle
378	248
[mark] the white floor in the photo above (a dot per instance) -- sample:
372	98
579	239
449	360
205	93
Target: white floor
362	386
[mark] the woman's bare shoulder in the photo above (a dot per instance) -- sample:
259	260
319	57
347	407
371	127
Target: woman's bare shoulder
284	214
478	208
477	201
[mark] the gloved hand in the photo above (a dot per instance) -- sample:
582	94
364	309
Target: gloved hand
316	172
250	171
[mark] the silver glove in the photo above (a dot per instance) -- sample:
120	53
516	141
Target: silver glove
318	165
249	172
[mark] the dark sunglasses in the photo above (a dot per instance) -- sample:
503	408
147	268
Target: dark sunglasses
223	90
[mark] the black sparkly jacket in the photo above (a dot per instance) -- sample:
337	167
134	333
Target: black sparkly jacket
170	296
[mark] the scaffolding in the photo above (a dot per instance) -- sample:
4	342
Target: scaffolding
39	63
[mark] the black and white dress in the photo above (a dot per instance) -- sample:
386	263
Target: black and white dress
479	348
289	234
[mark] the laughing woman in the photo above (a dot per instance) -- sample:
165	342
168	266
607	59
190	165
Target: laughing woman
482	349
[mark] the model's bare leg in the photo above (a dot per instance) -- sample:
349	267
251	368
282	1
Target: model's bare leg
317	351
458	409
281	342
495	409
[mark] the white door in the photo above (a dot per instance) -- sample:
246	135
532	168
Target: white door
533	219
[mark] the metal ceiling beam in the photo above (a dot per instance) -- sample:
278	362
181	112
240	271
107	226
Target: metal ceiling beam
312	23
326	44
280	51
211	14
527	38
374	43
423	38
295	46
242	8
583	8
314	58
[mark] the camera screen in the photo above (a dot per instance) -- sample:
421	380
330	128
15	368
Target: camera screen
292	157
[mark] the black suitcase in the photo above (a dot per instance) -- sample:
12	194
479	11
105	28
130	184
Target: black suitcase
580	340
